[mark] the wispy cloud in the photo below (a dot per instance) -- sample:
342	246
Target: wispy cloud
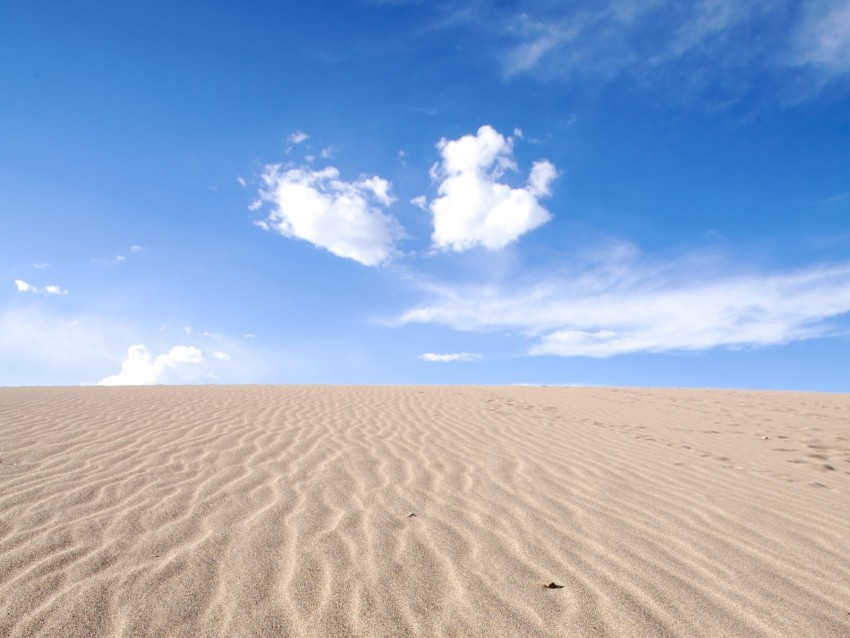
117	259
835	199
823	38
631	305
721	44
474	207
345	218
448	358
112	261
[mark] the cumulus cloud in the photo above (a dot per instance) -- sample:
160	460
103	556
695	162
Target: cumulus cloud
628	306
139	368
447	358
50	289
345	218
221	356
474	208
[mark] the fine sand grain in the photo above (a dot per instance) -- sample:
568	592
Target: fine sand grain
423	511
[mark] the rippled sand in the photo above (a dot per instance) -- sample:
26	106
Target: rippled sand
423	511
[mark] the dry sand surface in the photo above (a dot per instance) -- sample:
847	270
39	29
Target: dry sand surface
423	511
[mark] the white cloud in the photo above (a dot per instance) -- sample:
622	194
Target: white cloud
241	181
626	306
420	201
39	346
446	358
221	356
211	335
542	175
703	48
50	289
344	218
140	369
823	40
327	152
55	290
608	38
297	137
187	330
110	262
474	208
135	249
249	335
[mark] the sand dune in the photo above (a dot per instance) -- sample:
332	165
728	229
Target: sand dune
423	511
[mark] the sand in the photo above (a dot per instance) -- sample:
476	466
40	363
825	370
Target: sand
423	511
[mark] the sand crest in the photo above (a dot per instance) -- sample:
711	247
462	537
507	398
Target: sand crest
423	511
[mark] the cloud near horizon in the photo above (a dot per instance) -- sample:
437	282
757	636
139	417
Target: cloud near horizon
448	358
629	307
35	336
474	208
344	218
140	369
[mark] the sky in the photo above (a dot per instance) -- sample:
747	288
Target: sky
617	192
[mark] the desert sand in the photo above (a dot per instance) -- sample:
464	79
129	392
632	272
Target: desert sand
423	511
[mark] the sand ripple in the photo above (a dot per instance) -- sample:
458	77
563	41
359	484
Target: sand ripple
422	511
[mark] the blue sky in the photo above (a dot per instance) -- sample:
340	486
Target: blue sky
602	193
